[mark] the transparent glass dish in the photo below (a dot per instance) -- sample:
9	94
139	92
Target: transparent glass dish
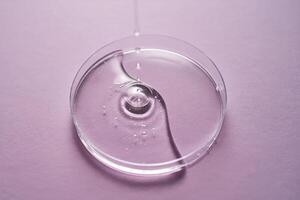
148	105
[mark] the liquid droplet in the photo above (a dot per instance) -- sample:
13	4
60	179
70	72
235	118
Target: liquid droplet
137	101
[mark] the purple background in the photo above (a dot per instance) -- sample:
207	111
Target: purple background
256	45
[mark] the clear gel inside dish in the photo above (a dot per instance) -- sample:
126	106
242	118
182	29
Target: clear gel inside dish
148	111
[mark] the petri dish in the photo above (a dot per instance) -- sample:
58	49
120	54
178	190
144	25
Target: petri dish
149	105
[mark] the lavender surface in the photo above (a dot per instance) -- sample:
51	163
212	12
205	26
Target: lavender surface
255	44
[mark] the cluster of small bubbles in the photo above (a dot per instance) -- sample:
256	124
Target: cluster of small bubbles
143	136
